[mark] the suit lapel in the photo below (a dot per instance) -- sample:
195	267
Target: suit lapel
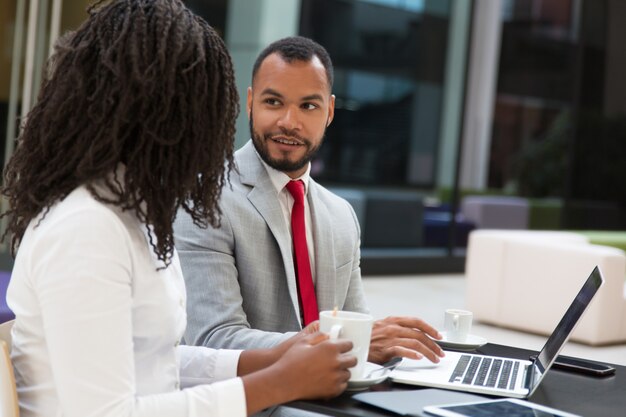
324	251
263	198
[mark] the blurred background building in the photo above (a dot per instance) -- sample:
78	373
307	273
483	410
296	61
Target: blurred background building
451	115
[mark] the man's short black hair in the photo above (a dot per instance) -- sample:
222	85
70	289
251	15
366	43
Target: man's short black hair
297	48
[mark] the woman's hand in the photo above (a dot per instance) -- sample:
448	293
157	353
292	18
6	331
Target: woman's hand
312	367
257	359
313	327
316	367
279	350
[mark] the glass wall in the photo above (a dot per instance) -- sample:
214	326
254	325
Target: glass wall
389	62
400	83
392	147
213	11
559	126
535	89
542	120
29	29
26	41
8	85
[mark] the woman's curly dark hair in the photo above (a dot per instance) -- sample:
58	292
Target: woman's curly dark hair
145	83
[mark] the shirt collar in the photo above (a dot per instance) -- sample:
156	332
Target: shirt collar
280	179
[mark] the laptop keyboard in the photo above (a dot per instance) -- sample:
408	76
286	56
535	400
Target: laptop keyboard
485	372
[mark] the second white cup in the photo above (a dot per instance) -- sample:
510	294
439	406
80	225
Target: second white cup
457	324
356	327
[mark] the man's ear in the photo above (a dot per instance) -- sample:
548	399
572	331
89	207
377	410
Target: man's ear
249	102
331	110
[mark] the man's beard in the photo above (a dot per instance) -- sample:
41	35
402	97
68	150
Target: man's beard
283	164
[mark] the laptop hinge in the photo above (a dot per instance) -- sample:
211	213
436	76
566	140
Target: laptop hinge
528	376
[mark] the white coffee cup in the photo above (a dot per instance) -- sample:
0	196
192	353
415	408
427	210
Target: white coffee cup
356	327
457	324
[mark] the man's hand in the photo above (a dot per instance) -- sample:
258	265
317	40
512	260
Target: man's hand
403	336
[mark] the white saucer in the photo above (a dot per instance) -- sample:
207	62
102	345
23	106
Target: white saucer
471	343
377	378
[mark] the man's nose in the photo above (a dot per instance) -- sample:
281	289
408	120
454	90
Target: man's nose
289	120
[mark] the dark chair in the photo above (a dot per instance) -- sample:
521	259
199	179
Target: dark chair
393	220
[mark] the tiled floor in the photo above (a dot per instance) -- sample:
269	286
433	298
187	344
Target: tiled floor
427	296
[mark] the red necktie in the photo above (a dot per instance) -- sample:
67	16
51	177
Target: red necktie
306	290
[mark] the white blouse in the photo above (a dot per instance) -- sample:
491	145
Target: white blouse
98	325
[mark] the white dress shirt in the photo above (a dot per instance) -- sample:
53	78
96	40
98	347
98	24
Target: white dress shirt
279	180
98	325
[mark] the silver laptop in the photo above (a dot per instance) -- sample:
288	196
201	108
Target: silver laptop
495	375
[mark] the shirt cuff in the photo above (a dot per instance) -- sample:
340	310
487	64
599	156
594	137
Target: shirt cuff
226	364
220	399
232	398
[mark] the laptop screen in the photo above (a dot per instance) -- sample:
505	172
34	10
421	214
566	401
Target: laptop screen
557	339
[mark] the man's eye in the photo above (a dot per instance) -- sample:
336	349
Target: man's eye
272	101
309	106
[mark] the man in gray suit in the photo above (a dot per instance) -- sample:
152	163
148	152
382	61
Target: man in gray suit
244	286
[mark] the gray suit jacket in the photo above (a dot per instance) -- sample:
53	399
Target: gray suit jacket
240	277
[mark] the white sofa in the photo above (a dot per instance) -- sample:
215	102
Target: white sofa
525	280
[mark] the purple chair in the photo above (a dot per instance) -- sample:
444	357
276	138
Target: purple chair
496	212
5	313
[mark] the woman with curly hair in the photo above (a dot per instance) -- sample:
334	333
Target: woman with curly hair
134	120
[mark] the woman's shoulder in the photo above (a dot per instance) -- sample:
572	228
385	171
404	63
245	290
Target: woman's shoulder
77	227
81	209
